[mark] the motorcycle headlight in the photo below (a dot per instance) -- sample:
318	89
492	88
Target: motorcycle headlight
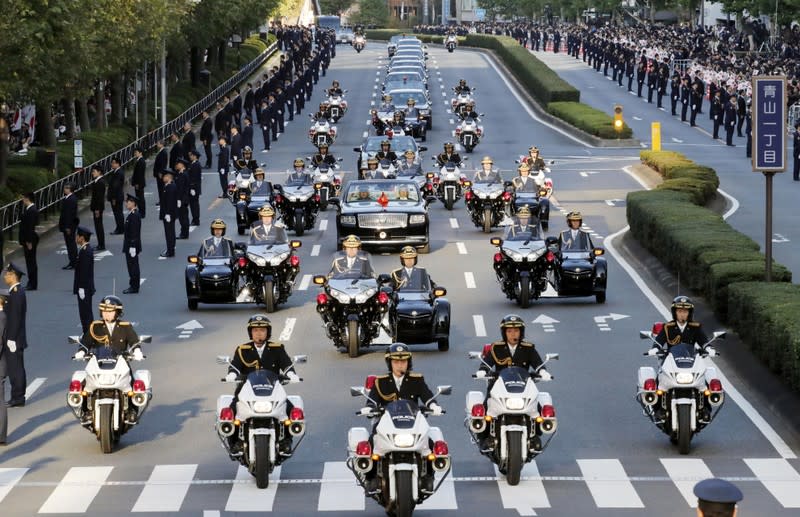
403	440
425	112
536	254
515	403
262	406
366	295
340	296
106	379
258	260
292	198
278	259
514	255
684	378
416	219
349	220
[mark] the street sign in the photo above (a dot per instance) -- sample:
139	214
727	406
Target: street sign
77	146
769	123
480	14
78	162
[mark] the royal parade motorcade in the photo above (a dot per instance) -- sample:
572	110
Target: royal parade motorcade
384	213
391	47
372	146
422	102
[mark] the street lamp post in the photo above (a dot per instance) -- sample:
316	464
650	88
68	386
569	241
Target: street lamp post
236	41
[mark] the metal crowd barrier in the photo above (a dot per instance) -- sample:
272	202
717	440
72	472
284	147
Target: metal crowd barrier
681	65
50	196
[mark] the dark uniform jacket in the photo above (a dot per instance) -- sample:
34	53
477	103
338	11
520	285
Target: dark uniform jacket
499	356
222	250
16	309
206	130
692	334
361	265
528	185
418	280
121	339
581	242
84	271
259	234
169	203
27	227
175	154
443	158
412	388
195	177
160	163
98	201
68	219
116	185
132	237
188	143
246	359
137	179
390	155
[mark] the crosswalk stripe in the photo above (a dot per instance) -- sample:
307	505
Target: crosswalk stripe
245	496
315	250
778	476
339	490
444	498
528	495
8	478
304	283
609	484
33	386
685	472
469	278
76	491
165	489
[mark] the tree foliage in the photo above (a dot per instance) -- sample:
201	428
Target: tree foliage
371	12
336	7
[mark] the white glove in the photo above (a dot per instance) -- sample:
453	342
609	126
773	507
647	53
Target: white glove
12	345
293	378
168	218
179	203
366	411
81	295
653	351
231	377
480	374
137	354
80	354
132	251
436	409
544	375
222	171
711	351
192	192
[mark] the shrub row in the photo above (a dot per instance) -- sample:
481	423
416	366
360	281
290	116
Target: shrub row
559	97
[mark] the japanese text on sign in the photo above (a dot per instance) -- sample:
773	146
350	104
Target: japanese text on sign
769	123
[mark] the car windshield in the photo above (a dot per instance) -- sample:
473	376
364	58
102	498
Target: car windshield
403	77
296	180
400	144
403	413
357	273
396	38
418	283
263	382
373	193
264	190
210	250
260	236
402	69
401	98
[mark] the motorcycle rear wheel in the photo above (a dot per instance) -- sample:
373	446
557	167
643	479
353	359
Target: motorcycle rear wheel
404	505
514	461
107	428
299	226
684	430
261	470
352	338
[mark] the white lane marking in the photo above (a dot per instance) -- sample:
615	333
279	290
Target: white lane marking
778	476
323	225
9	477
339	490
365	134
141	281
609	484
636	118
245	496
288	328
685	472
527	495
462	249
480	328
211	513
192	228
315	250
33	386
77	490
755	417
165	489
469	278
453	222
444	94
304	283
442	499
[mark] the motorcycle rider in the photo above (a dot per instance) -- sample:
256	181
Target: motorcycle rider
522	224
386	152
469	111
323	156
412	113
324	112
266	231
449	155
387	104
409	276
511	350
410	166
372	170
487	173
257	354
259	186
462	87
534	161
524	182
335	90
299	175
681	329
575	239
246	161
399	119
216	246
352	260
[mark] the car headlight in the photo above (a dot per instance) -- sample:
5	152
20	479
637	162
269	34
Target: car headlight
515	403
416	219
349	220
684	378
278	259
403	440
258	260
340	296
262	406
365	295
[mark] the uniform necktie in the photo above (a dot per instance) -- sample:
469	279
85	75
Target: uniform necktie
350	262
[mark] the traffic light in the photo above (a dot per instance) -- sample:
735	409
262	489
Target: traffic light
618	122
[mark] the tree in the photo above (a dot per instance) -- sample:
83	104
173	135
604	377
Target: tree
371	12
336	7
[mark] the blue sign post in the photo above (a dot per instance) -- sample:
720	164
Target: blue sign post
769	143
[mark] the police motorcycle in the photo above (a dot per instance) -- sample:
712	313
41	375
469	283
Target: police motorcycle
261	421
469	133
352	309
247	199
685	394
537	203
107	397
460	101
525	264
382	119
405	451
451	42
329	182
541	175
337	106
321	131
487	202
521	420
359	42
268	272
448	183
298	204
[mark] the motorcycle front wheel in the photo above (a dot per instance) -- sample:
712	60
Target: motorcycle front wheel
299	224
352	338
269	296
487	220
514	461
261	470
404	504
107	428
524	296
684	428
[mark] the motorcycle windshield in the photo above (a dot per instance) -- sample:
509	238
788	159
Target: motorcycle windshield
683	354
531	235
403	413
106	358
514	378
263	382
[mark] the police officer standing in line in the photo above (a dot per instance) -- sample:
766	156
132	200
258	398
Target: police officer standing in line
195	186
730	120
160	164
206	134
132	243
29	239
116	193
168	212
137	179
223	164
717	113
686	92
717	498
67	222
176	151
182	199
16	340
795	151
3	371
98	205
83	284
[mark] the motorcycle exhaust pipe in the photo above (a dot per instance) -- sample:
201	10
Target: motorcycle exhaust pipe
441	463
363	464
225	428
297	428
75	400
549	425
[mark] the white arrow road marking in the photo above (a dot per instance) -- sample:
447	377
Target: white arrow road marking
31	389
527	495
613	202
777	237
323	225
192	228
469	278
304	283
453	222
546	322
462	249
100	255
677	140
480	328
315	250
600	321
187	329
636	118
288	328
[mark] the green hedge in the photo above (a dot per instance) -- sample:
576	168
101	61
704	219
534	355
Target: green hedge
589	119
765	316
691	240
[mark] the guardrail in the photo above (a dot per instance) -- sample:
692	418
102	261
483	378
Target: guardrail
50	196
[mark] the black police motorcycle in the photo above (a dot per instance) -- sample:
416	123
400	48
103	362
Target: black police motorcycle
298	204
524	264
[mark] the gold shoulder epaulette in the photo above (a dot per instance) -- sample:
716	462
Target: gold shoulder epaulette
498	343
694	324
414	374
124	323
670	324
525	343
245	346
272	344
95	322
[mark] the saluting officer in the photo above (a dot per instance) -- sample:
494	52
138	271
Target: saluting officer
169	210
29	239
83	283
132	243
16	340
717	498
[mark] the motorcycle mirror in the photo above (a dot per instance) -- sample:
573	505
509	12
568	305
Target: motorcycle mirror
311	116
339	159
74	340
551	357
439	292
644	334
496	241
193	259
357	149
551	162
300	359
319	280
444	390
383	278
295	244
598	251
474	355
333	201
356	391
422	148
720	334
145	339
223	359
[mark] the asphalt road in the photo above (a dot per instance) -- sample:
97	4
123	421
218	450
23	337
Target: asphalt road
606	459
